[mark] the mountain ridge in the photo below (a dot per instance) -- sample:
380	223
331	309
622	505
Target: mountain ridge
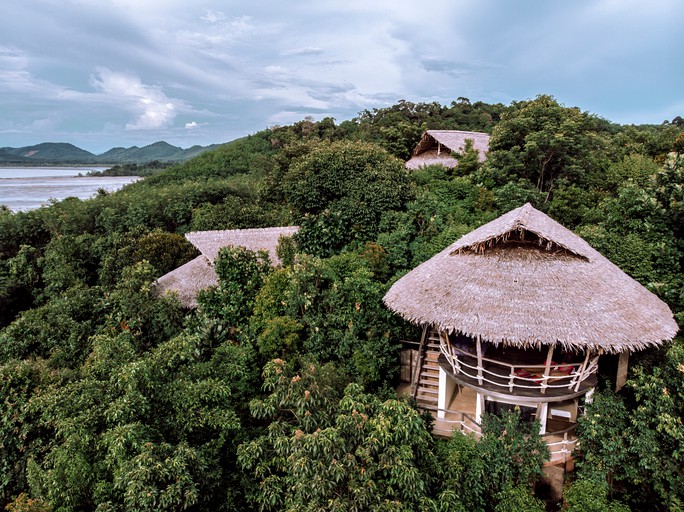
50	153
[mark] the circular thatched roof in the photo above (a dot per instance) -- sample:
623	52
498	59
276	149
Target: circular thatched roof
523	279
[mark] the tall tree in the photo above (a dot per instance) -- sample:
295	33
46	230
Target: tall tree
543	141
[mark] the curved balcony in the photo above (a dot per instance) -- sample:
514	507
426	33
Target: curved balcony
526	375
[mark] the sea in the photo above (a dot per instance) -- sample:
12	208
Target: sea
28	188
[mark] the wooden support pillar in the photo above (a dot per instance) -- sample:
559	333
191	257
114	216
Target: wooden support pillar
580	375
479	360
547	370
542	416
445	393
623	363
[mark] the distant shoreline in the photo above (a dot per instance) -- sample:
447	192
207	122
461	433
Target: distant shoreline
60	165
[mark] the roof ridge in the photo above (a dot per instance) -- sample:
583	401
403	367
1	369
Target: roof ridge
524	218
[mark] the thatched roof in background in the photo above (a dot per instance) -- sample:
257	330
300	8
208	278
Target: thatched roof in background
436	146
210	242
199	274
525	280
187	280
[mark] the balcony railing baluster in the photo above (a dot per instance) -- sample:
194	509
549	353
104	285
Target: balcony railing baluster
550	376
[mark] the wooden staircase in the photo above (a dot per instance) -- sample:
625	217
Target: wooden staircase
425	386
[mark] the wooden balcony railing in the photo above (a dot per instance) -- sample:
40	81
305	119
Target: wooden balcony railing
521	376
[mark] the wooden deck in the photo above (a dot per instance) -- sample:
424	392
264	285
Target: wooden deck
460	417
460	413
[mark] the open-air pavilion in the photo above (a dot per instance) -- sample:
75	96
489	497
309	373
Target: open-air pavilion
516	314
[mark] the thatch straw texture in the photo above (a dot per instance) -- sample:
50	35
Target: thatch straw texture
187	280
210	242
525	280
436	146
198	274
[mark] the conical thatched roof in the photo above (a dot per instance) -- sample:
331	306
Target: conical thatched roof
436	146
199	274
523	279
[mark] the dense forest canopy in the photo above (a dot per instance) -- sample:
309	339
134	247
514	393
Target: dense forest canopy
277	392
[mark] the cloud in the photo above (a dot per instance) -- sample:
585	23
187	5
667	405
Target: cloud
152	108
301	52
193	125
12	58
123	70
216	34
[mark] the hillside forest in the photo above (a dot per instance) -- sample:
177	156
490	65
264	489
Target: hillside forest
278	391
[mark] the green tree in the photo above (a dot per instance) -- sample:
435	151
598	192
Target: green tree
344	188
638	443
468	159
541	141
361	454
241	274
513	453
586	495
156	431
333	310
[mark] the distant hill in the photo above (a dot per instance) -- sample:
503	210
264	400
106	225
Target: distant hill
162	151
8	158
51	153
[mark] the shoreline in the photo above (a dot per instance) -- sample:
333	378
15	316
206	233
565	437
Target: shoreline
61	165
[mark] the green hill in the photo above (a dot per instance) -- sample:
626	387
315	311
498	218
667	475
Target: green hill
161	151
61	153
158	151
118	154
52	152
8	158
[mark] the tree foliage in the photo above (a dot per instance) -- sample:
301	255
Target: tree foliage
323	452
116	399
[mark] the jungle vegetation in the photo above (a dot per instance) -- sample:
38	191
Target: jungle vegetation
277	392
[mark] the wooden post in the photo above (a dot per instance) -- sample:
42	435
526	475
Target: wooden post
580	375
479	360
621	377
419	365
547	370
543	416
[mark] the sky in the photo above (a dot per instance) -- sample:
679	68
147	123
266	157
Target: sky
108	73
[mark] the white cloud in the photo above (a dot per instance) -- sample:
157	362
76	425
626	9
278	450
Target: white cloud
191	125
309	50
12	58
153	109
218	32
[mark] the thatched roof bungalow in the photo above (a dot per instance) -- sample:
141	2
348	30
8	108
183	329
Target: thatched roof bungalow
517	312
437	146
198	274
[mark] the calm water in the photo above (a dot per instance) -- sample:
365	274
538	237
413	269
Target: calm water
27	188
